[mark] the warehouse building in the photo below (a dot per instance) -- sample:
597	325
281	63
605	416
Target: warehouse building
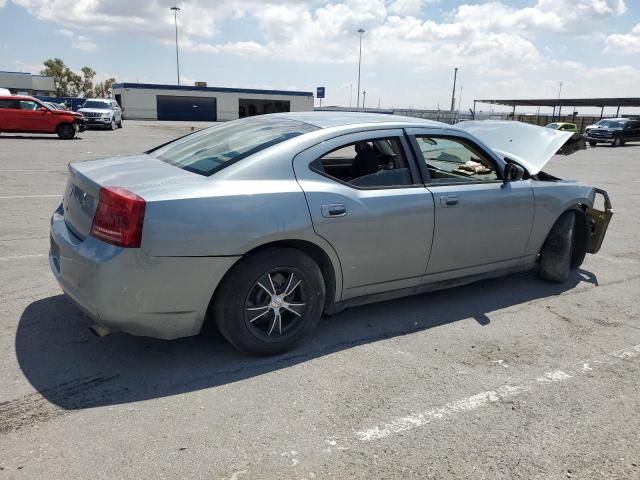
20	83
145	101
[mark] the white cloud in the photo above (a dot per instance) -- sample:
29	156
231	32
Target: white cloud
629	42
491	39
3	3
79	42
65	32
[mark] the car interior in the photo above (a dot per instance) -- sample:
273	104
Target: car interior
371	163
450	160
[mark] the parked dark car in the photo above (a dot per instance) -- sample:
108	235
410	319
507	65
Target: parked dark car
616	132
23	114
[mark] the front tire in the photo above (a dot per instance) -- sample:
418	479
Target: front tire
66	131
593	144
112	125
617	142
269	301
120	124
555	256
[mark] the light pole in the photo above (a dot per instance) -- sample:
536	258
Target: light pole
364	95
360	31
453	94
350	93
559	106
175	20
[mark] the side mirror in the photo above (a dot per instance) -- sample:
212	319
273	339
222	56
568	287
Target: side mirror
512	173
43	109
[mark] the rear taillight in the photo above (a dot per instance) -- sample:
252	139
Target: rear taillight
119	217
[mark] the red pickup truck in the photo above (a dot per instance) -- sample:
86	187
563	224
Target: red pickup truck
22	114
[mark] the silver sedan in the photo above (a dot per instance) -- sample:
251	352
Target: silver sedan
261	225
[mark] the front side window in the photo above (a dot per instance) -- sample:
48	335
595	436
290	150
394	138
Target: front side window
454	160
376	163
212	149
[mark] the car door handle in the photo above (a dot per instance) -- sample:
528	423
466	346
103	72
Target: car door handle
334	210
449	201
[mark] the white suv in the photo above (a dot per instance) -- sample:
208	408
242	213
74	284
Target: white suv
101	112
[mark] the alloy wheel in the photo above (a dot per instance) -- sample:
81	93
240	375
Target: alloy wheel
276	304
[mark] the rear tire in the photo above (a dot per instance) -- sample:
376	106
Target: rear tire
556	254
66	131
247	306
120	124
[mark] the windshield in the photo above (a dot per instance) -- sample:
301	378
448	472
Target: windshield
210	150
610	124
96	104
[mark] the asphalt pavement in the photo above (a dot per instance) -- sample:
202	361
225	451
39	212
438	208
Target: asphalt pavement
505	378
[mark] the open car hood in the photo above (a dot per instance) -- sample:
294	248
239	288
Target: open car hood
529	145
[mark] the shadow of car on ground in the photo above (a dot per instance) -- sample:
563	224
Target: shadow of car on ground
73	369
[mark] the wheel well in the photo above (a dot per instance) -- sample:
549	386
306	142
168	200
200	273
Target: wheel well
316	253
580	238
319	256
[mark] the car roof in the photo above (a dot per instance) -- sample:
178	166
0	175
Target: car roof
17	97
339	119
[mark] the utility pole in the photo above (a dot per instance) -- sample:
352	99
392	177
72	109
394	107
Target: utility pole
364	95
175	20
559	106
350	93
453	94
360	31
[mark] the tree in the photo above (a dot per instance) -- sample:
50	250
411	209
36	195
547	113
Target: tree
103	89
70	84
62	76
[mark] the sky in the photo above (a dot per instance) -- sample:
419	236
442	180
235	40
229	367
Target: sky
502	48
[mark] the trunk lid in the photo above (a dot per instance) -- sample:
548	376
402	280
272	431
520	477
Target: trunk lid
135	173
529	145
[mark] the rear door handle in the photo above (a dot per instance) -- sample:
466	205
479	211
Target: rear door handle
334	210
449	201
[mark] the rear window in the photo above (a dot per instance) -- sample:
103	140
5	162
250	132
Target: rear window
210	150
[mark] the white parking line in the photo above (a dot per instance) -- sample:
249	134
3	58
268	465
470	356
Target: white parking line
29	196
21	257
473	402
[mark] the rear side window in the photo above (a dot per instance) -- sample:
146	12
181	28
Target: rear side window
210	150
9	104
375	163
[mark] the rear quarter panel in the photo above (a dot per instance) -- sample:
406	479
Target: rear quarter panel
552	198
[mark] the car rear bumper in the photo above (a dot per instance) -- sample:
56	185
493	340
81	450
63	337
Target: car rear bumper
127	290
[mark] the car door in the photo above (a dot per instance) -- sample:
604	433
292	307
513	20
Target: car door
481	223
116	111
31	119
631	131
380	221
9	114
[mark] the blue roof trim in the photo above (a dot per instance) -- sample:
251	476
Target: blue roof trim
153	86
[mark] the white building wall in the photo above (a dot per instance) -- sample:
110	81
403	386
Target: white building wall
140	104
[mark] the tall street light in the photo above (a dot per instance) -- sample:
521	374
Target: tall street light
175	19
453	94
361	31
